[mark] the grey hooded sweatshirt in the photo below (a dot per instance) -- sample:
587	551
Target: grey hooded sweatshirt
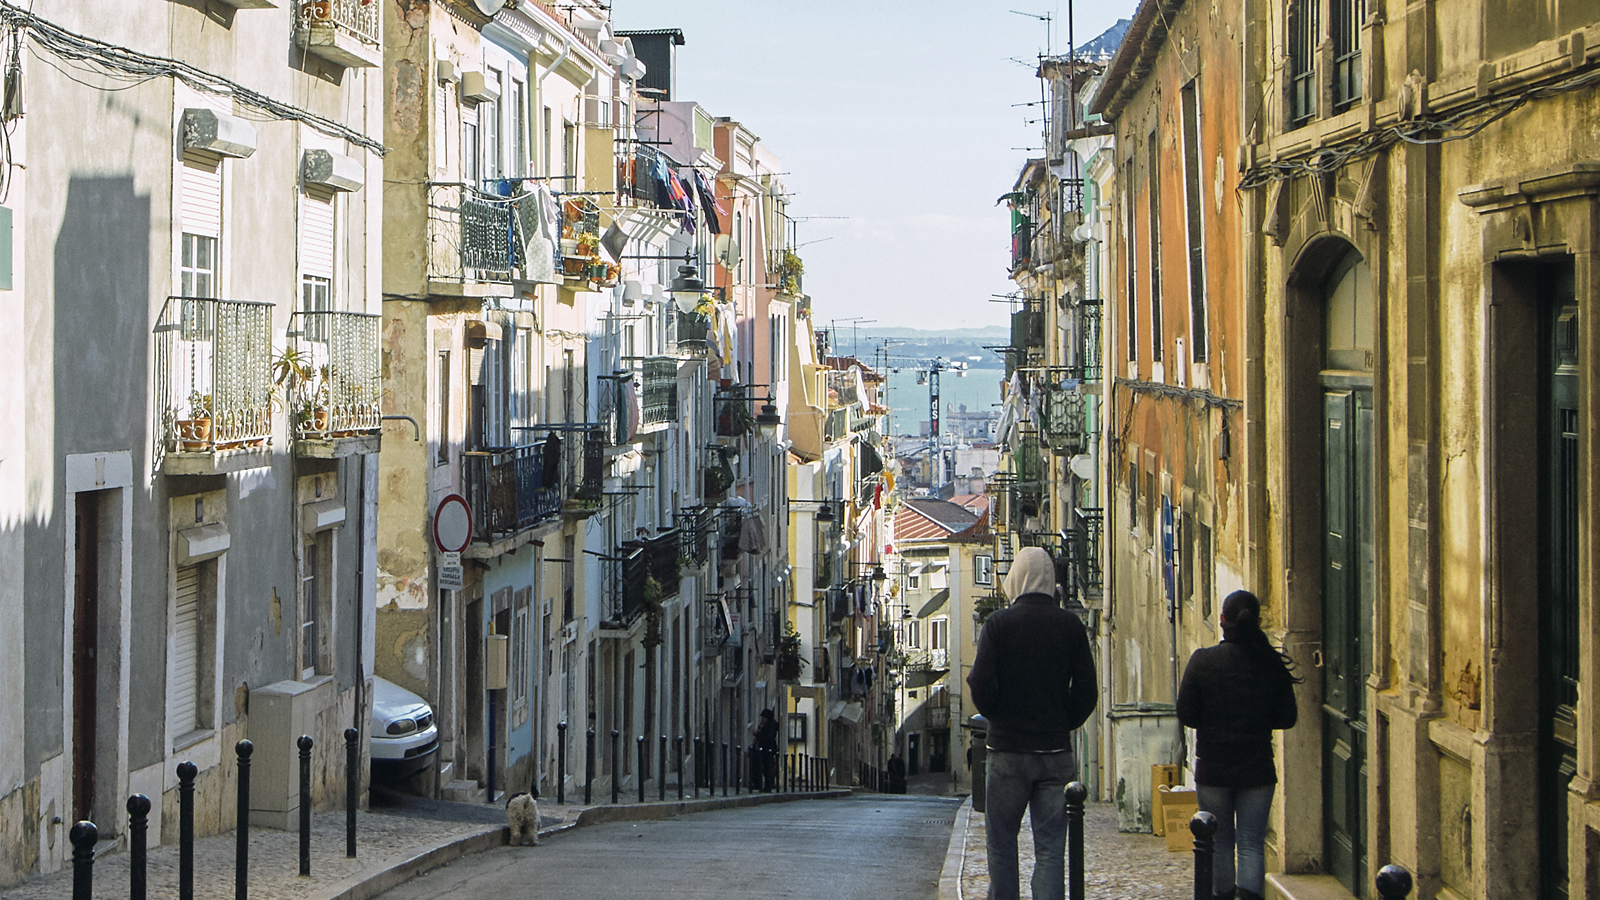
1033	676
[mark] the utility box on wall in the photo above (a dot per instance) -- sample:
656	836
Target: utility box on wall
279	714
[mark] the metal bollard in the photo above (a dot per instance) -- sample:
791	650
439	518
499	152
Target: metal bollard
588	769
640	740
680	766
724	769
352	789
561	763
138	824
738	756
616	767
241	852
1393	882
1076	794
699	765
661	770
1203	826
304	743
186	773
83	835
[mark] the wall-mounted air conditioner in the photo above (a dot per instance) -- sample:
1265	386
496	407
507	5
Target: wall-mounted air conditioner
220	133
477	88
332	170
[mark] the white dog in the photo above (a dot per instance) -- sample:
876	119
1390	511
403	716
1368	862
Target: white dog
522	814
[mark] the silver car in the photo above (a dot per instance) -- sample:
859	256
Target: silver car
404	737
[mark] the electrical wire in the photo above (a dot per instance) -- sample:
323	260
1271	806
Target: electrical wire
123	64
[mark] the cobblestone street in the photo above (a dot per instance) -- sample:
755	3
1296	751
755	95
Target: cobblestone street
1116	865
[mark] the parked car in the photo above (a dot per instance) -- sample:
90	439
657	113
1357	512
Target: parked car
404	736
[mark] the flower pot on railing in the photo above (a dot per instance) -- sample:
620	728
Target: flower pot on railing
194	434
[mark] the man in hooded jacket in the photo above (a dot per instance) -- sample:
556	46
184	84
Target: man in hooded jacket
1033	679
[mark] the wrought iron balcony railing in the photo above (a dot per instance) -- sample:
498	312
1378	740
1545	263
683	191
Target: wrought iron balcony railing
1091	523
1063	416
213	372
928	660
511	489
938	717
1021	244
472	235
690	331
335	374
646	574
359	18
660	401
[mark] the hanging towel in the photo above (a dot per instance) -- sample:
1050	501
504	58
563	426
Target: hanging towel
708	202
753	534
537	216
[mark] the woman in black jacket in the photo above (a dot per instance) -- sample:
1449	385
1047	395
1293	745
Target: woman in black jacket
1235	694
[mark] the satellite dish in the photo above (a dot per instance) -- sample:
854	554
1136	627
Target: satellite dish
727	251
488	7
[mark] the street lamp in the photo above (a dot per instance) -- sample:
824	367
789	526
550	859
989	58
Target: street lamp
687	288
768	420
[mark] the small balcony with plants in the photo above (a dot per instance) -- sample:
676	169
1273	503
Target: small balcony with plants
580	262
474	242
328	377
510	490
789	274
646	575
343	32
214	393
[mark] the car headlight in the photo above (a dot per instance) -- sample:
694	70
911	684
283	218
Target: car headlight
402	726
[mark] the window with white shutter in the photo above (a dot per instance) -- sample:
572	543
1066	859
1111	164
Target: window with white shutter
316	259
200	218
193	648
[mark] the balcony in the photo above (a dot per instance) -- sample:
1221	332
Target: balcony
1090	315
659	403
214	393
510	490
790	274
472	239
585	493
332	372
1091	523
1027	328
343	32
937	717
690	334
1021	242
578	255
647	575
928	661
1063	416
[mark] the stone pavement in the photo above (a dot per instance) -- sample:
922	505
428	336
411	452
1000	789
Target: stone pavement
394	844
1116	865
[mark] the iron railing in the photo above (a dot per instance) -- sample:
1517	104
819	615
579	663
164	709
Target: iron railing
578	252
336	380
660	401
1090	316
1063	417
589	487
358	17
646	574
690	332
1091	522
928	660
1021	244
511	489
213	375
472	235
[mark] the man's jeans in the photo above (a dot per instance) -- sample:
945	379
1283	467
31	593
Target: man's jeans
1033	782
1241	820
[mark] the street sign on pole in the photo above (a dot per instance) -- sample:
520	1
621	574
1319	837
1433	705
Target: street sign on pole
452	577
452	524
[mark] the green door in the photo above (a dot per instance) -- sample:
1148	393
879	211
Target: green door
1347	589
1558	575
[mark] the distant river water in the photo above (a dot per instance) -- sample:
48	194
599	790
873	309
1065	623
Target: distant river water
979	390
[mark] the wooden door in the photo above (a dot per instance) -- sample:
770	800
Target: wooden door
85	653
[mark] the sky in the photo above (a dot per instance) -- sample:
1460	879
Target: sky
898	124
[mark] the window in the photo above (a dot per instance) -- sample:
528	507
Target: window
189	693
317	222
913	629
441	125
939	577
1302	60
1156	335
519	128
1130	288
469	148
983	570
489	120
914	578
316	604
200	217
569	155
1133	496
441	417
547	158
1347	17
939	633
1194	200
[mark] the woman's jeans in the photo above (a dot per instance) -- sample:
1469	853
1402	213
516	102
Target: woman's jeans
1034	782
1241	821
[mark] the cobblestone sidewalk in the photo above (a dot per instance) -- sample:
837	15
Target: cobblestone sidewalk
1116	865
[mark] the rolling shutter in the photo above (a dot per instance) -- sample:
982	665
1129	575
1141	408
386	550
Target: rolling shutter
202	194
186	653
316	233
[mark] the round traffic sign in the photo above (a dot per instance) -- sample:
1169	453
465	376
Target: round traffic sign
452	524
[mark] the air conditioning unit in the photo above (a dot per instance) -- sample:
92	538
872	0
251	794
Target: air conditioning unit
447	72
477	88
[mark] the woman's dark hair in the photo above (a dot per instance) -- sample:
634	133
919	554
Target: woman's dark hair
1241	623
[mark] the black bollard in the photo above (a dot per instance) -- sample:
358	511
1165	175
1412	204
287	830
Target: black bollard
616	766
738	756
561	763
83	835
304	743
724	769
640	773
352	788
680	766
186	773
1203	826
1076	794
138	824
588	769
1393	882
661	770
241	851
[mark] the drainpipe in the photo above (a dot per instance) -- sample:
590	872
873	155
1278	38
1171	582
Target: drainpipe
566	50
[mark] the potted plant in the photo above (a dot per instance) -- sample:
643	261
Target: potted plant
789	661
194	433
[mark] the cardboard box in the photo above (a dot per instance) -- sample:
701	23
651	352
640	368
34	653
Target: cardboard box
1178	805
1161	777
